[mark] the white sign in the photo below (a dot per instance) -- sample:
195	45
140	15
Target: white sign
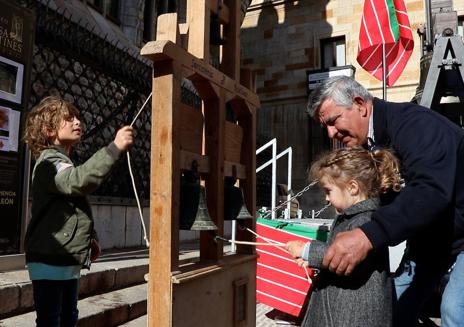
315	78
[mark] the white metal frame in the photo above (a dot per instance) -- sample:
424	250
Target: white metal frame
273	161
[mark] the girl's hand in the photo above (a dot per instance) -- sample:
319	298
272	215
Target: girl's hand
295	248
124	138
300	262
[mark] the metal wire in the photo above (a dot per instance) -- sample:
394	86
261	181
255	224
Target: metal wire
283	204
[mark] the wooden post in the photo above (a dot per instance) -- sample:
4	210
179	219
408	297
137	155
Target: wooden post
164	181
165	190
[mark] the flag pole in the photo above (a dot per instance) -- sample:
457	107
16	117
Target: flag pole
384	73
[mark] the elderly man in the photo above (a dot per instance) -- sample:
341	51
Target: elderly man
431	149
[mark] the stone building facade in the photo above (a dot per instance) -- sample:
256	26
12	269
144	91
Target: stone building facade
87	52
282	40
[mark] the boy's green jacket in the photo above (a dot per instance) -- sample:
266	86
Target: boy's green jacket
61	224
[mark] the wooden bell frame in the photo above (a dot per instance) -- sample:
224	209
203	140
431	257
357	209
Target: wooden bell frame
218	290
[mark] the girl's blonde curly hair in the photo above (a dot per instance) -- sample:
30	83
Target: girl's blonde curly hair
44	121
376	172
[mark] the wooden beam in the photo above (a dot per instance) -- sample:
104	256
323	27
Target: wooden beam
234	169
167	28
248	122
222	11
162	50
215	112
186	159
196	272
198	18
230	61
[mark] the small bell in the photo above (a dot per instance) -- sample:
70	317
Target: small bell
233	199
203	220
244	213
189	199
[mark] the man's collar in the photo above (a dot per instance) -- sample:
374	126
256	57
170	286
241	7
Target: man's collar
370	132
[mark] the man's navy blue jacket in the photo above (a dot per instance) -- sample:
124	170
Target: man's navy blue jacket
431	150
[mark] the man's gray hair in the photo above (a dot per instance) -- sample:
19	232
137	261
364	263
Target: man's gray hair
340	89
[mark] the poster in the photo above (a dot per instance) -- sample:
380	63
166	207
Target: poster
11	80
17	30
9	129
10	203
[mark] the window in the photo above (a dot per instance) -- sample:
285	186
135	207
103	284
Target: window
108	8
333	52
112	10
97	4
461	26
148	20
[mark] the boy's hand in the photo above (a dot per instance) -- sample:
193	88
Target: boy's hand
124	138
295	248
95	250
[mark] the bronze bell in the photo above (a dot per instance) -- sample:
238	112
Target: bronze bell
244	213
203	220
233	199
189	199
425	62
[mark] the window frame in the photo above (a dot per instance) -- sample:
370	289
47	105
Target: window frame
333	41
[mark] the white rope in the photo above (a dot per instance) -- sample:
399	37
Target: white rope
268	240
145	237
259	243
138	201
277	245
141	109
307	274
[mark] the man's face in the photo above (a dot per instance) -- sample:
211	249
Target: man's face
349	126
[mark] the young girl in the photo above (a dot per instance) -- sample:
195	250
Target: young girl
58	237
352	179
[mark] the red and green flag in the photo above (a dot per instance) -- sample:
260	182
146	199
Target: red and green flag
385	22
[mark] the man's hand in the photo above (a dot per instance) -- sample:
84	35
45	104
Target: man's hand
295	248
347	251
124	138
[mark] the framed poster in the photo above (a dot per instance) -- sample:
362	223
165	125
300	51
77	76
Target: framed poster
11	80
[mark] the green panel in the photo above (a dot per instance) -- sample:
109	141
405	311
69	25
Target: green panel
297	229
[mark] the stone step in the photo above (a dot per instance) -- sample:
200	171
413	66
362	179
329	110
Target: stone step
141	321
105	310
117	270
104	276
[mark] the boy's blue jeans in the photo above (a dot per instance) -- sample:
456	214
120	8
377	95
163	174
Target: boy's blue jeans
56	302
452	305
414	285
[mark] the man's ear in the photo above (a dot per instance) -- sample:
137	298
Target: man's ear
361	104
